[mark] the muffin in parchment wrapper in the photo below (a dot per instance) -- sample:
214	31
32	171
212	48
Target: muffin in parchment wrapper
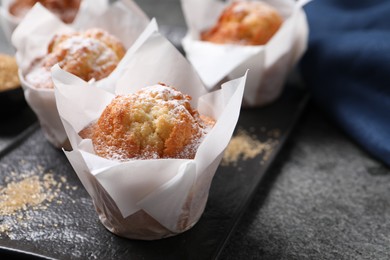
269	64
10	21
123	19
147	198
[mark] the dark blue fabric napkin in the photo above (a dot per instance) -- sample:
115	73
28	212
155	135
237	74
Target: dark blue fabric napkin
347	67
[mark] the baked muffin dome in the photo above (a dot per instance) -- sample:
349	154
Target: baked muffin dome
245	23
8	73
155	122
92	54
66	10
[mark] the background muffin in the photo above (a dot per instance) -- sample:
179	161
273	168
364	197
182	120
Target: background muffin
92	54
246	23
8	73
66	10
240	45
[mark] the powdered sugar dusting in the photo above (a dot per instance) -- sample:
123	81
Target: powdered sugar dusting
162	94
80	54
40	77
240	7
155	107
189	150
77	43
93	52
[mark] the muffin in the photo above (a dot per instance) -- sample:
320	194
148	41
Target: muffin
130	157
245	23
8	73
155	122
11	93
66	10
91	54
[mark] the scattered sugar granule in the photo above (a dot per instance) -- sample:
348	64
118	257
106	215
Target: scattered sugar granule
19	195
243	146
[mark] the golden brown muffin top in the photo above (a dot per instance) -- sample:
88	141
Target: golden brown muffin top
8	73
91	54
245	23
66	10
155	122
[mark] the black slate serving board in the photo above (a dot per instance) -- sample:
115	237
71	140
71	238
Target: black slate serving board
69	228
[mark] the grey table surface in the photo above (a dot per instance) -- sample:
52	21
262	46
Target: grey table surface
324	197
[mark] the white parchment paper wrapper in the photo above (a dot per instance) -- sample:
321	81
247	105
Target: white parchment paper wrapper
147	199
123	19
268	64
87	7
